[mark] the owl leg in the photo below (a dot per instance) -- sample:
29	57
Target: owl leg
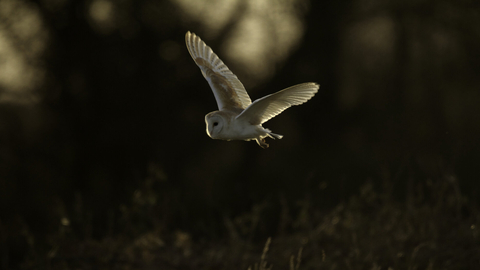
262	143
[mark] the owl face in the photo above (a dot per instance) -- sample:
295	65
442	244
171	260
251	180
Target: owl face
215	125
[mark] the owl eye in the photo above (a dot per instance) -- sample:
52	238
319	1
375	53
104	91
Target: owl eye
215	124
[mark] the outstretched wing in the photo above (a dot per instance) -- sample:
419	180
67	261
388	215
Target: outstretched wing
228	90
264	109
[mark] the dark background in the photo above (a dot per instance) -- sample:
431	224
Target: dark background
102	129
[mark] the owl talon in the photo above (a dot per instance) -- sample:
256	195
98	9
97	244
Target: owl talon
263	144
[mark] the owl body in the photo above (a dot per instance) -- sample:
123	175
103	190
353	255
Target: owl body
238	118
224	125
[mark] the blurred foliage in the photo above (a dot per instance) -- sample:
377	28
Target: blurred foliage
104	160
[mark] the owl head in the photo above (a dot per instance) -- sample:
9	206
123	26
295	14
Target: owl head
215	123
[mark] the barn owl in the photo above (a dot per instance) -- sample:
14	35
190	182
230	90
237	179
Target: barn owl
238	118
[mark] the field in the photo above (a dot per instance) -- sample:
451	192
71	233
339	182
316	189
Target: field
434	227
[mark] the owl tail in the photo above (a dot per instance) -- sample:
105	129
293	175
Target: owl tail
273	135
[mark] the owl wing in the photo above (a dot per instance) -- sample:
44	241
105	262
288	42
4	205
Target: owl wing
264	109
227	89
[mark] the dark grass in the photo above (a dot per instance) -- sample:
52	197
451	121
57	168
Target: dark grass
433	227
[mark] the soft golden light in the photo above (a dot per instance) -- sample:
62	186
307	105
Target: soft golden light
23	39
102	15
263	32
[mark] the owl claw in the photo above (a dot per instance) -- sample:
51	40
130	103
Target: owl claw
262	143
